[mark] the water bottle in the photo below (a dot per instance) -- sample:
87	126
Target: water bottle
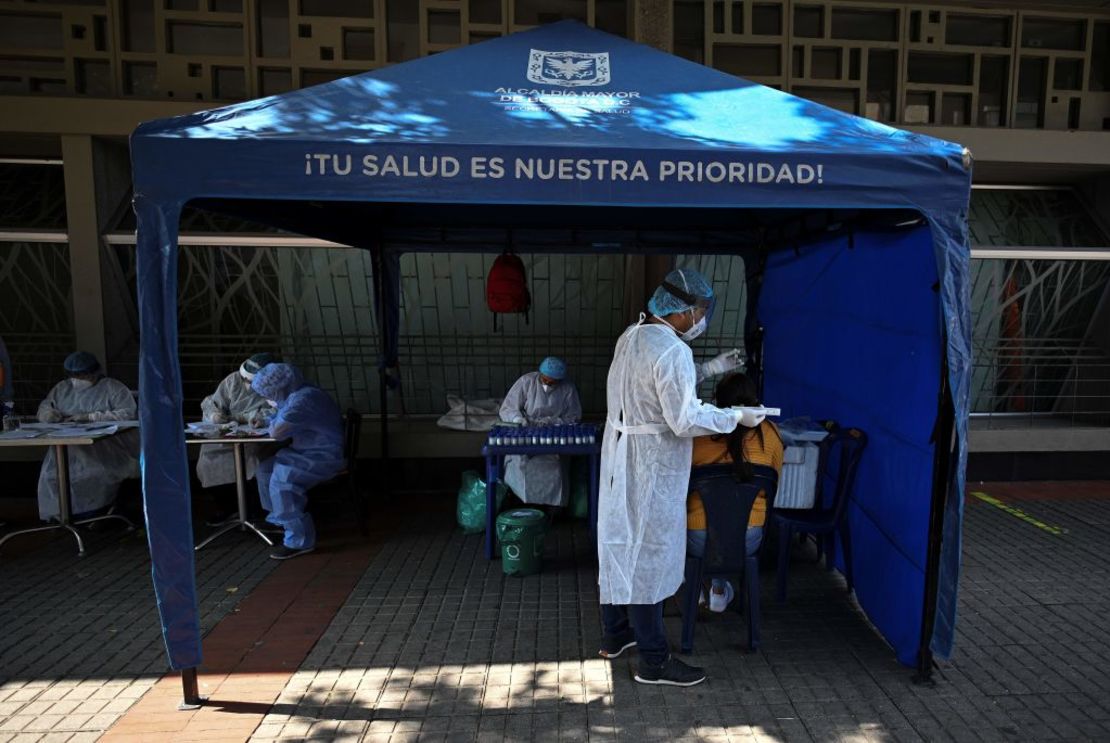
10	422
562	435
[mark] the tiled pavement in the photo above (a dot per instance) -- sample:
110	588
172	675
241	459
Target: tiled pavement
81	640
433	643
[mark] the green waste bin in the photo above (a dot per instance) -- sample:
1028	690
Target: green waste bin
520	532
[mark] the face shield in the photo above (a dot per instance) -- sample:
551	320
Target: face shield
706	304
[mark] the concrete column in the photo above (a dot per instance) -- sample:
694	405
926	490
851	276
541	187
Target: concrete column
84	244
652	23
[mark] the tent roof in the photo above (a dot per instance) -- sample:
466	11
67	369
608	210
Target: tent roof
520	96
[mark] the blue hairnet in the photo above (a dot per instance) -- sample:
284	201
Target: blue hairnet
688	280
254	363
277	381
554	367
81	362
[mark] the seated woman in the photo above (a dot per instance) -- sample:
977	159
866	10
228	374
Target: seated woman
234	402
541	398
95	471
745	447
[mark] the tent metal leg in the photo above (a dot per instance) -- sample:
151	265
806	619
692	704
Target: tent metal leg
190	692
384	402
942	481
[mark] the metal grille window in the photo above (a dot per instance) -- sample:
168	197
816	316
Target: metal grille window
36	317
312	306
36	311
448	344
726	330
1039	356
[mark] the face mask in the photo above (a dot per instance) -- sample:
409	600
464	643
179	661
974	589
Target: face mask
81	384
694	332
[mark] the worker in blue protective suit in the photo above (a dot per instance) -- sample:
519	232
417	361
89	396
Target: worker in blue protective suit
312	425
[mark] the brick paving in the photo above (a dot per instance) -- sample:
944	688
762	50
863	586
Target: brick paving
434	644
431	642
81	640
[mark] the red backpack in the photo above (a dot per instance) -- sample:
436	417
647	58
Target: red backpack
507	287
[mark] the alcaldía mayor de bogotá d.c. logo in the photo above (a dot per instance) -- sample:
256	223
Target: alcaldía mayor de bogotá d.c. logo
569	69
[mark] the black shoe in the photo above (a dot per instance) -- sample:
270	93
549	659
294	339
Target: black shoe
672	672
613	645
281	552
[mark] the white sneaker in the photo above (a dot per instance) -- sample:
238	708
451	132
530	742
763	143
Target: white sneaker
718	602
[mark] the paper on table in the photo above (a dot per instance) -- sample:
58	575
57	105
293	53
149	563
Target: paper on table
20	433
72	430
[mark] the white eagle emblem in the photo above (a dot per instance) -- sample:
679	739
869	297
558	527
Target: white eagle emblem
568	69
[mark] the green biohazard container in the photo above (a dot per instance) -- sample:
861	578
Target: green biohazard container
520	532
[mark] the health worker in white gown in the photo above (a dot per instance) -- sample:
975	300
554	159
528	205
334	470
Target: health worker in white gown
541	398
234	402
95	470
653	413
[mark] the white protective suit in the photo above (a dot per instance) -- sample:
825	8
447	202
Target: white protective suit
653	415
96	470
233	402
539	480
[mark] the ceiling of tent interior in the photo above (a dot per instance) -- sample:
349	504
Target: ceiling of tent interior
573	229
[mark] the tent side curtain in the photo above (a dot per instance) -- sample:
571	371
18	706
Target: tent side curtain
167	500
853	334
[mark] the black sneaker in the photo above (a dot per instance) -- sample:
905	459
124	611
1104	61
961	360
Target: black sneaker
672	672
281	552
613	645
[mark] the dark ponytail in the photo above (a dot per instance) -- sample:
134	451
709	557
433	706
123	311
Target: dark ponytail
733	390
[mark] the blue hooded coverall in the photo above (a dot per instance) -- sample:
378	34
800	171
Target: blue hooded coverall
311	421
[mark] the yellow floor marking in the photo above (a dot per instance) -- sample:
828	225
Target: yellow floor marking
1057	530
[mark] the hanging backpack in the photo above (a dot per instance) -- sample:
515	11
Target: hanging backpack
507	287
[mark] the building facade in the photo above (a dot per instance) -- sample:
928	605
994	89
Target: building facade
1026	86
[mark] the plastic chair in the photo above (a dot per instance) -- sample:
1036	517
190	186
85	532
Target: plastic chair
352	432
728	506
844	449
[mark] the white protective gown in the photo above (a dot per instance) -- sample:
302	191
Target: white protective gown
96	470
539	480
238	403
653	415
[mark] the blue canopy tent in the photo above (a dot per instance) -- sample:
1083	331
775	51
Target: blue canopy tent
855	234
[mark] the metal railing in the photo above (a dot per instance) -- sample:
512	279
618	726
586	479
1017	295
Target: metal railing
1041	382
